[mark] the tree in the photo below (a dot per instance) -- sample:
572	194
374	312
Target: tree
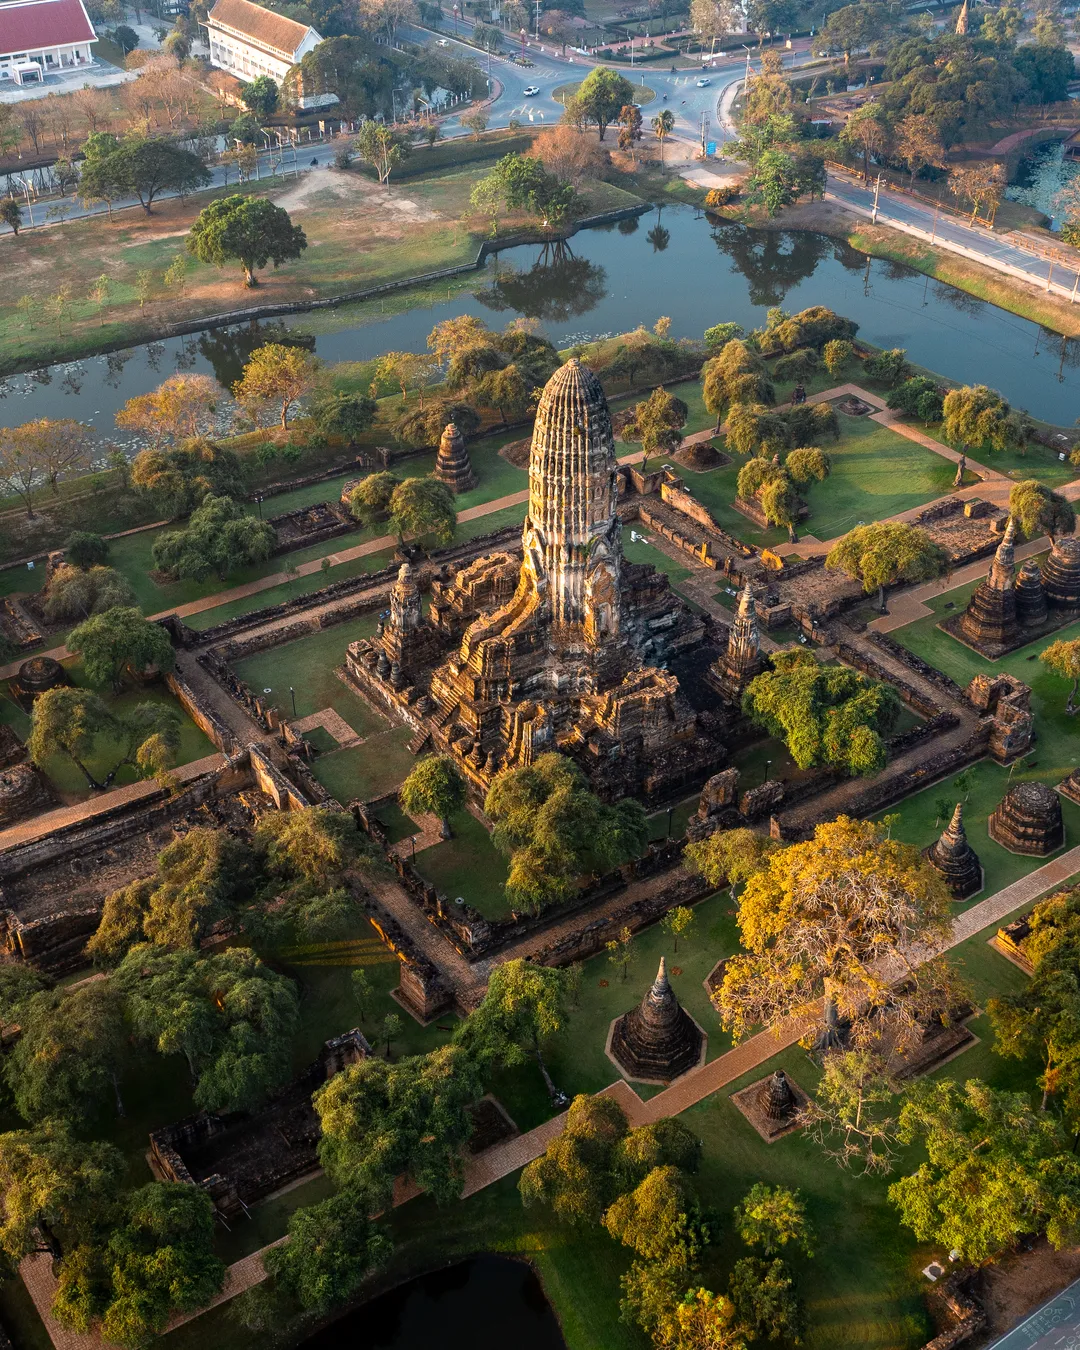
663	124
125	38
408	370
866	129
995	1169
853	26
11	214
424	426
630	129
249	230
1063	658
657	422
17	984
523	1006
68	1060
602	94
343	415
843	915
46	448
423	507
382	1120
198	878
658	1218
849	1116
75	723
435	786
72	593
145	166
764	1296
886	553
382	148
837	354
1038	510
231	1017
890	367
1043	1018
700	1319
220	538
277	374
677	923
555	829
50	1180
260	96
180	478
825	715
574	1176
119	640
977	416
809	464
715	18
919	143
476	122
571	156
728	858
919	397
980	184
370	499
158	1259
86	550
181	408
735	375
770	1217
332	1247
621	951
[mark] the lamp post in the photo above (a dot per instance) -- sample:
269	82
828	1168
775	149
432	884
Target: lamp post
670	813
292	695
523	35
768	766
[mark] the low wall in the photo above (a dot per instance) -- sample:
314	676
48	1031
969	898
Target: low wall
915	663
200	712
868	666
269	779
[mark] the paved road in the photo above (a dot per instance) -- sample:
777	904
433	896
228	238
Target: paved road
1055	1326
991	249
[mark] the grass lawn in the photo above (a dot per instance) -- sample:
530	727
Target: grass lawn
469	865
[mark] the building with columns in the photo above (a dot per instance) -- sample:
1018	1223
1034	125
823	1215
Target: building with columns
248	40
41	36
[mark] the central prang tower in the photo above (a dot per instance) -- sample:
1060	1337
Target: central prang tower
563	650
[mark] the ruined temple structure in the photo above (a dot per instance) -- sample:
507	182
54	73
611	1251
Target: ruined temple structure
1028	820
741	660
564	650
1005	704
658	1040
955	859
989	622
452	464
1010	608
777	1099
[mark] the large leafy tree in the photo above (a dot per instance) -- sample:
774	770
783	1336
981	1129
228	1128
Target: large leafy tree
410	1118
77	724
602	95
18	983
277	374
1063	658
177	480
197	879
331	1249
118	640
1038	509
158	1259
735	375
144	166
658	1217
231	1017
220	538
74	593
53	1184
841	916
249	230
343	415
181	408
825	715
423	508
383	148
977	416
435	786
771	1217
885	553
555	829
43	450
657	422
994	1169
68	1061
576	1175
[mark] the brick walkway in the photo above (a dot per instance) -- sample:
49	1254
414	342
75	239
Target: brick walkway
332	721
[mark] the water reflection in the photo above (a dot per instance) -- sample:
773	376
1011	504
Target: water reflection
228	350
481	1304
772	261
559	286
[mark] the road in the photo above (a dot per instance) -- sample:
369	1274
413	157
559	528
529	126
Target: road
1055	1326
950	233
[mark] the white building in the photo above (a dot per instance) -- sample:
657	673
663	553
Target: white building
38	36
248	40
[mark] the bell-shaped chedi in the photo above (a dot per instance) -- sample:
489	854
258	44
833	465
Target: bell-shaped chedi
453	465
955	859
1030	596
989	623
778	1102
1061	574
658	1040
1028	820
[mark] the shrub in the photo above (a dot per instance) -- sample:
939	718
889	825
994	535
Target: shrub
721	196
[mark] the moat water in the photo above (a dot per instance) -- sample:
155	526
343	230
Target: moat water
483	1304
673	262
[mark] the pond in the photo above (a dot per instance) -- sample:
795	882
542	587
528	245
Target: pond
480	1304
675	262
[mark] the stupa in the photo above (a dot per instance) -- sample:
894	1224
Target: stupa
1028	820
1030	596
565	650
658	1040
955	859
989	623
452	464
1061	574
731	672
777	1100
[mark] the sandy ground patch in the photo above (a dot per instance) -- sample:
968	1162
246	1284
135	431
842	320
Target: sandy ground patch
327	187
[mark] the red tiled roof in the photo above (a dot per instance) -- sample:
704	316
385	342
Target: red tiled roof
43	23
262	26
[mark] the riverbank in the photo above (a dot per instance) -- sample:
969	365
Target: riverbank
881	241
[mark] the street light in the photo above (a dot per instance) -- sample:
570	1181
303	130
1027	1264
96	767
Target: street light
292	695
524	35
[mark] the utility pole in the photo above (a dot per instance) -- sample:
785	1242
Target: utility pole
877	193
537	34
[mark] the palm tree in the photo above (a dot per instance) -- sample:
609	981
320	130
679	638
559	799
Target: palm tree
663	124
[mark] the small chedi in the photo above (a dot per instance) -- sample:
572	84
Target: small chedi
453	465
1010	607
774	1106
658	1040
565	650
1028	820
741	659
955	859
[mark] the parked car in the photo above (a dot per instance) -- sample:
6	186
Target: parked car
531	90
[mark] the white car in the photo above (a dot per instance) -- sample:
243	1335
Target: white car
531	90
703	84
442	42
